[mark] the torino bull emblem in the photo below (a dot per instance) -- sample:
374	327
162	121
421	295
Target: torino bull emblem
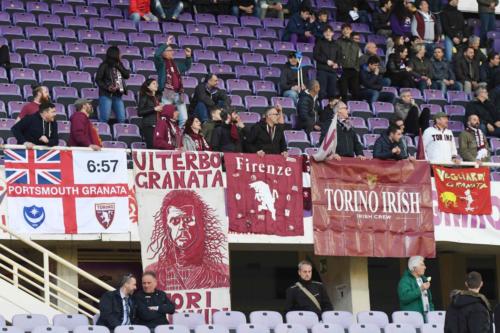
265	197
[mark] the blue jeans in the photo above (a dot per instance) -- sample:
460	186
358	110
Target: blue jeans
292	94
175	11
180	105
106	104
439	85
448	48
487	24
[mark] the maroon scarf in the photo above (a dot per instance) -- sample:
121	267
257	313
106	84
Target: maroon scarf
479	136
173	80
199	141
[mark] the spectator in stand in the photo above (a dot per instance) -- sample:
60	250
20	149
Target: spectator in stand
110	79
299	28
392	43
421	68
439	143
443	77
407	110
209	126
454	28
309	107
479	56
289	78
472	143
5	57
488	70
486	111
117	307
467	70
414	288
273	8
425	26
267	137
320	24
82	132
193	139
372	82
389	145
371	51
400	123
207	95
38	129
327	113
245	7
349	61
149	109
487	17
348	144
40	96
172	8
306	294
381	18
141	10
167	134
327	55
293	6
350	11
401	20
170	73
469	310
399	69
228	136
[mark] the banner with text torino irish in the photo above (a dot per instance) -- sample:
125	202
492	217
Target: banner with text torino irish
183	226
372	208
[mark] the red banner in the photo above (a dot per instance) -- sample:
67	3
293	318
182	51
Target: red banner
264	194
463	191
372	208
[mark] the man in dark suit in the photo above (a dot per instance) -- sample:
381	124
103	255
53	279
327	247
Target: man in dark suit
267	137
117	307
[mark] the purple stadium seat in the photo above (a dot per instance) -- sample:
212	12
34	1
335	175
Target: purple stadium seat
327	328
250	117
315	137
310	151
75	22
114	144
399	328
434	108
3	75
229	319
378	318
286	103
457	97
434	96
250	21
264	88
140	39
77	49
49	21
326	4
149	27
24	19
130	52
243	33
89	64
201	18
114	38
99	50
382	109
23	46
415	93
211	329
305	48
261	46
148	52
220	31
378	125
89	37
238	87
129	99
11	32
369	141
174	28
189	41
456	112
364	328
104	130
283	47
144	67
256	103
79	79
197	70
124	25
166	328
196	29
12	6
295	151
343	318
213	43
253	59
9	92
98	3
436	317
273	23
122	4
271	73
290	328
63	35
188	319
50	48
100	24
237	103
15	108
86	11
28	322
132	329
246	72
251	328
412	318
64	95
37	7
455	126
22	76
360	27
224	71
432	328
142	145
185	17
4	20
48	328
377	39
112	13
64	62
136	80
227	20
5	126
276	59
62	9
228	57
359	108
237	45
205	56
15	60
495	176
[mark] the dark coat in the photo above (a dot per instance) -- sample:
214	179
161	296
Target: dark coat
295	5
325	50
326	116
468	312
104	78
31	128
343	8
453	22
484	110
410	295
146	110
111	310
259	139
421	67
318	28
348	144
383	148
349	53
222	141
289	78
380	19
153	318
296	25
442	70
371	81
216	97
466	70
297	300
487	74
308	109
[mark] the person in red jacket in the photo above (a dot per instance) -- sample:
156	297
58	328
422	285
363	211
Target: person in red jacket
168	135
40	96
82	132
141	10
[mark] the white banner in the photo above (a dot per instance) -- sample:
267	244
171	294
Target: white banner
183	227
72	192
469	229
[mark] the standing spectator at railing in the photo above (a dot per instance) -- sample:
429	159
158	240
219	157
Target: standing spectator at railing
425	26
439	143
407	109
167	134
206	95
399	69
421	68
149	109
272	8
443	77
193	139
454	28
38	129
228	136
389	145
267	137
349	49
289	78
327	55
487	17
488	69
320	24
40	96
472	143
467	70
299	28
381	18
110	79
82	132
245	7
401	20
487	112
372	82
309	107
141	10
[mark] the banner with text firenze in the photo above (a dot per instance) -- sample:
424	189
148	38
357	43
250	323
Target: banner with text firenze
183	226
372	208
56	191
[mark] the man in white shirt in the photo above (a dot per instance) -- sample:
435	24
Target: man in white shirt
439	143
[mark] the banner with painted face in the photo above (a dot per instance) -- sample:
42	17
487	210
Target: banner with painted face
183	227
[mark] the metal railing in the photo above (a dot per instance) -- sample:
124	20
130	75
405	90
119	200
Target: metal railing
37	280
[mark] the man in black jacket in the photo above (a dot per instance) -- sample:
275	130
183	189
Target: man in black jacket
117	307
489	69
309	107
267	137
389	145
327	55
467	70
372	82
350	64
153	305
207	95
39	129
454	28
306	294
469	311
289	85
228	134
381	18
486	111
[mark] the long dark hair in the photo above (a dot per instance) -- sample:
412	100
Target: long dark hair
145	91
400	10
187	126
398	50
112	55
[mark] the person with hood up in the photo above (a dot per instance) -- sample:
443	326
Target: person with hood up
167	135
414	288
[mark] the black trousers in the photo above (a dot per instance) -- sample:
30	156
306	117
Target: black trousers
349	82
148	133
4	55
327	84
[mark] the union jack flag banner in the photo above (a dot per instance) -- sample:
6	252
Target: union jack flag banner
54	191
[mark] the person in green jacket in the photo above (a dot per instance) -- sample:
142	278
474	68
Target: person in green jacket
170	73
414	288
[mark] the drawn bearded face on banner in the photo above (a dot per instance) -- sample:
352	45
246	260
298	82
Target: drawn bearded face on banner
182	225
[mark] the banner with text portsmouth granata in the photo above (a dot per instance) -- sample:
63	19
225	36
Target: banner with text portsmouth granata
372	208
183	227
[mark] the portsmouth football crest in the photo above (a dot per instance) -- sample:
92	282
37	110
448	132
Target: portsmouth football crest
34	216
105	213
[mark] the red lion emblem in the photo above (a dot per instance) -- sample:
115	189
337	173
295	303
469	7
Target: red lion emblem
188	243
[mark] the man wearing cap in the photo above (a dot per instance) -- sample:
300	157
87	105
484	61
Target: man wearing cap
82	132
439	143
